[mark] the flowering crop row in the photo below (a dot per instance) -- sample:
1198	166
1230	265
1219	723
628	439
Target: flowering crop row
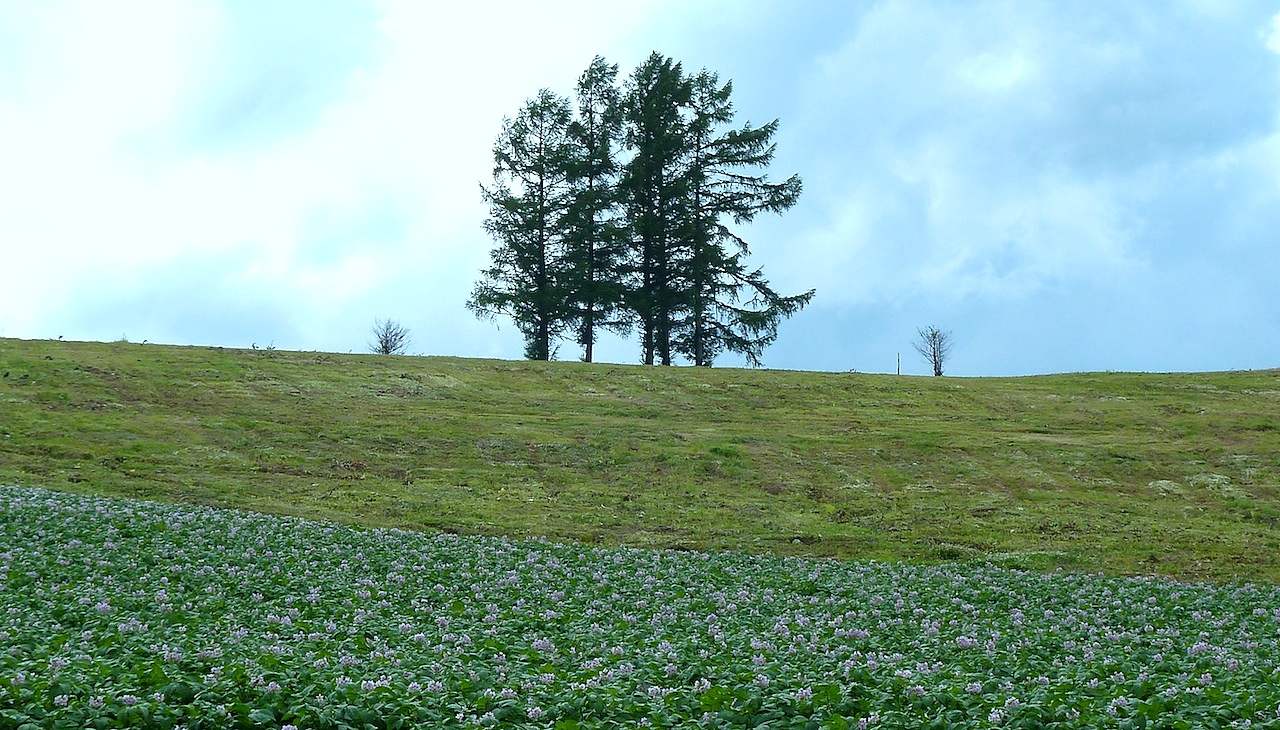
117	613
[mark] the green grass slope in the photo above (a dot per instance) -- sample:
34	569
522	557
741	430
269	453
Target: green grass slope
1174	474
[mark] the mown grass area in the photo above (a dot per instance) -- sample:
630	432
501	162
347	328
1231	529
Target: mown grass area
1173	474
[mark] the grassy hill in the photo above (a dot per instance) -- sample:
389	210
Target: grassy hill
1174	474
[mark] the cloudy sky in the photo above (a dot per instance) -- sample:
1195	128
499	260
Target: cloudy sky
1064	186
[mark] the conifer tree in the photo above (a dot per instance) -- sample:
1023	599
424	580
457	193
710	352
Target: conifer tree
528	204
730	307
653	189
594	240
588	243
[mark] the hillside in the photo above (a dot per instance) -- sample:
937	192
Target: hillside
1174	474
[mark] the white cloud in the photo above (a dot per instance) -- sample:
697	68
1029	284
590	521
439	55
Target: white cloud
1273	34
270	171
137	133
1001	138
997	72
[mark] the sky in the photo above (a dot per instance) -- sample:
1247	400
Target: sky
1062	186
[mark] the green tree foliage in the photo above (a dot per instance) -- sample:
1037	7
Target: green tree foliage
654	188
730	306
528	206
594	236
589	242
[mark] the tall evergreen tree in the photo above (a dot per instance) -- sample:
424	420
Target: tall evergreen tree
586	243
653	188
594	243
528	204
730	307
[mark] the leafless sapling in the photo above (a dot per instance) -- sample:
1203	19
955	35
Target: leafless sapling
934	346
389	337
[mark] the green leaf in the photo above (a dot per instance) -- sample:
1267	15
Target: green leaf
180	692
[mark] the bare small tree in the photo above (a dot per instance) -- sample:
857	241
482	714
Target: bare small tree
934	346
389	337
